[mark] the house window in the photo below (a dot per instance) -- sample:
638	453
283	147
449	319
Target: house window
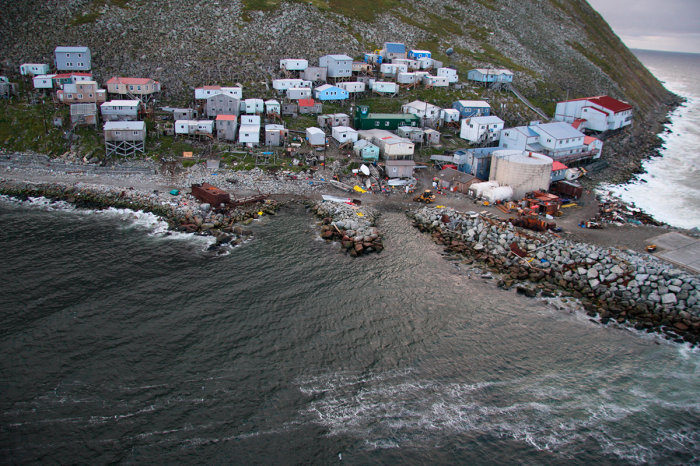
136	133
138	88
386	123
68	55
117	133
90	95
376	123
69	96
116	87
80	55
80	96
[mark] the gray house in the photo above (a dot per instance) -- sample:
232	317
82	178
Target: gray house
226	127
125	137
314	73
223	104
339	66
72	59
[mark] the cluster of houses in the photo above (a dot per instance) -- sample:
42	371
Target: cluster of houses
222	113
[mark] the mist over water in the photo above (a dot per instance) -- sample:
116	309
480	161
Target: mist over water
121	345
670	188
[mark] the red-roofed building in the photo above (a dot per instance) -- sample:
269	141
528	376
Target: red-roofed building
594	145
558	171
69	78
600	113
226	127
138	88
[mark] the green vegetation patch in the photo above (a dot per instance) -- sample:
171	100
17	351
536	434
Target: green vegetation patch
85	19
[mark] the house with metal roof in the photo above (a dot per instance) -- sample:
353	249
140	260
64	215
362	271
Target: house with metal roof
558	172
392	50
249	132
222	104
455	180
72	58
484	129
293	64
124	138
422	109
205	92
120	110
418	54
226	127
34	69
328	92
44	81
449	73
137	87
490	75
275	135
386	121
472	108
81	92
600	113
558	140
365	149
339	66
343	134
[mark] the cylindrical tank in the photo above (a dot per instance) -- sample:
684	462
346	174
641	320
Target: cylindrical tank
522	170
477	189
500	193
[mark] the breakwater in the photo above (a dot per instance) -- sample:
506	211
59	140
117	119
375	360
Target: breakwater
613	285
182	212
354	226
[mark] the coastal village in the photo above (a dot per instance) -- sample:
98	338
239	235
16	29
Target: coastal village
525	176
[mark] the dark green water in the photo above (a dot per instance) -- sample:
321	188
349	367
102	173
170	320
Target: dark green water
120	346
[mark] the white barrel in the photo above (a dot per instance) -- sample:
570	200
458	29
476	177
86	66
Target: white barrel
500	193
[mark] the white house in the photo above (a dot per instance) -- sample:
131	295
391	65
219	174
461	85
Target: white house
406	78
253	106
315	136
44	81
120	110
449	115
436	81
272	107
449	73
284	84
601	113
343	134
395	148
205	92
294	64
481	129
385	87
188	127
425	63
34	69
422	109
249	131
205	126
296	93
557	140
392	69
352	86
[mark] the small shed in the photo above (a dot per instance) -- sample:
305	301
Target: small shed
293	64
188	127
399	168
365	149
385	87
183	114
34	69
431	137
410	132
315	73
296	93
315	136
83	114
205	127
558	171
275	135
272	107
226	127
456	180
436	81
343	134
449	115
124	138
44	81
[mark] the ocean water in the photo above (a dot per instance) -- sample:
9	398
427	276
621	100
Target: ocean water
124	346
670	188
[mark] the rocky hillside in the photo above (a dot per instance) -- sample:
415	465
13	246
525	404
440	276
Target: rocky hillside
555	46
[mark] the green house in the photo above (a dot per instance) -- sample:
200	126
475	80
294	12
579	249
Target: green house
389	121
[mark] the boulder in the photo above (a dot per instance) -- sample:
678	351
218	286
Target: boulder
669	298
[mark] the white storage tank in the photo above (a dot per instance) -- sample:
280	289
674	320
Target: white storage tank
477	189
522	170
500	193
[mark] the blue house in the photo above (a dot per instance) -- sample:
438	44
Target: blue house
490	75
418	54
328	92
479	162
472	108
373	58
393	50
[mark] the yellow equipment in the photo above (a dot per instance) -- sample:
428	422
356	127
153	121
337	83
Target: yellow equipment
427	196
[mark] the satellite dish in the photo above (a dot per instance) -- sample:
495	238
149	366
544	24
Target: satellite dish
449	51
364	169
